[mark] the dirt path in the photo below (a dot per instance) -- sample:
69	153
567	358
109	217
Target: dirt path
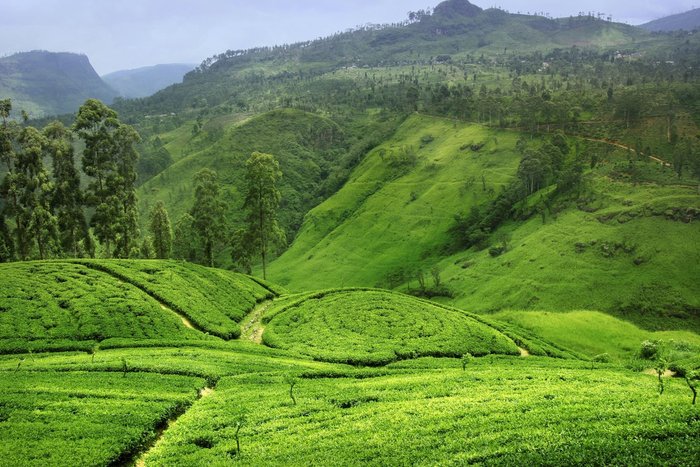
186	322
160	432
251	326
627	148
523	352
667	373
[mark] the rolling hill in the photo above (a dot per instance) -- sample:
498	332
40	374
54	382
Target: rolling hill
513	198
48	83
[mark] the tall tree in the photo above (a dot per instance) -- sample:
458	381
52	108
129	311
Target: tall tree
67	197
110	159
208	212
96	124
122	184
185	239
34	221
262	201
161	231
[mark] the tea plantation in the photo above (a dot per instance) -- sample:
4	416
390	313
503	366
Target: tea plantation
375	328
98	367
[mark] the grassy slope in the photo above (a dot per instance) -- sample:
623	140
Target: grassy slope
529	276
592	332
383	220
373	227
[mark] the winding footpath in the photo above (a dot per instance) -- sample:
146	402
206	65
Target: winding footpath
252	326
140	458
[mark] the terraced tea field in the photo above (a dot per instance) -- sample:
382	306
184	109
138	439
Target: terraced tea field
344	376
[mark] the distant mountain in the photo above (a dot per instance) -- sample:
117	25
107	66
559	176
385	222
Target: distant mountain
146	81
48	83
688	21
456	31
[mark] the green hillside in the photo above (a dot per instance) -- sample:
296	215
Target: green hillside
492	259
457	33
625	248
395	211
686	21
47	83
308	147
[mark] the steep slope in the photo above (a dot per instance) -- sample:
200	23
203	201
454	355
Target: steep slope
47	83
146	81
631	252
688	21
394	213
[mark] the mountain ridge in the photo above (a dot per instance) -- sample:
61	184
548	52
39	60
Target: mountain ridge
47	83
686	21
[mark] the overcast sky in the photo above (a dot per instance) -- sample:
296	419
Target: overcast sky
126	34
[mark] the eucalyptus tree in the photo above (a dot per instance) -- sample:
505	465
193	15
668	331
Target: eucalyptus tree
31	189
208	212
67	197
161	231
261	202
110	159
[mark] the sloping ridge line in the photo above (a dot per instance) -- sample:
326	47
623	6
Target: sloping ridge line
162	301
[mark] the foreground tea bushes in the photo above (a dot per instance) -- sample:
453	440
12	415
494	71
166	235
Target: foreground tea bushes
213	299
49	418
372	327
207	361
501	410
67	306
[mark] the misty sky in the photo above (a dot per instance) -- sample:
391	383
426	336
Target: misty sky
126	34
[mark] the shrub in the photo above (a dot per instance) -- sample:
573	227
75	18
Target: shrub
649	350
